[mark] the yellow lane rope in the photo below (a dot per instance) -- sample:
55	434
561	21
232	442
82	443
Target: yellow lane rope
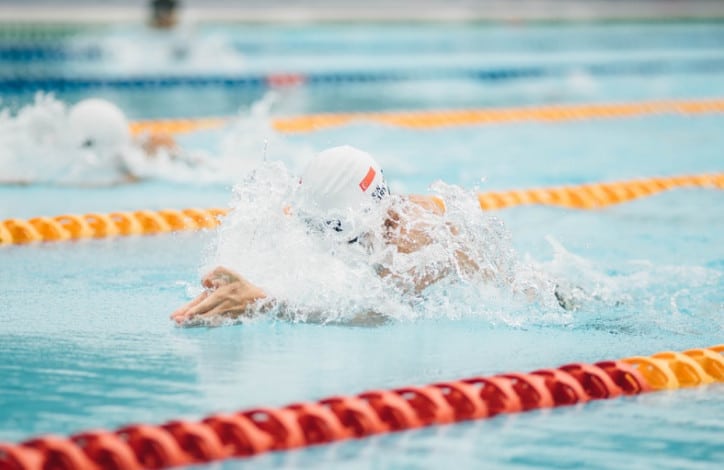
72	226
597	195
588	196
670	370
176	126
435	119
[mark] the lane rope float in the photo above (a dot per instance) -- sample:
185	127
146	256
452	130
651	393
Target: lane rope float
148	222
94	225
258	430
25	81
449	118
597	195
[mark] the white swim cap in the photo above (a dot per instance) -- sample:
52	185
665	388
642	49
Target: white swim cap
99	125
343	178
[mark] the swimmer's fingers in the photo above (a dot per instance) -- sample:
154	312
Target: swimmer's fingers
228	299
192	303
202	307
180	313
219	277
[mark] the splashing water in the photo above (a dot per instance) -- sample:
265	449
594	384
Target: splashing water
40	146
274	238
138	50
251	139
246	141
641	296
316	274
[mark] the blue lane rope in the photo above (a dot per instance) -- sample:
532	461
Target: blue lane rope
22	82
28	53
27	44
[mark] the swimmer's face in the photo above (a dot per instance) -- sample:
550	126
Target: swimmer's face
99	129
359	221
332	228
353	226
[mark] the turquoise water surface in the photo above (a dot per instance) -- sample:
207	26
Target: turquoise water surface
86	342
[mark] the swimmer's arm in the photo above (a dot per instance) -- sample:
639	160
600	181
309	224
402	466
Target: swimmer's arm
227	295
410	232
154	143
413	280
464	262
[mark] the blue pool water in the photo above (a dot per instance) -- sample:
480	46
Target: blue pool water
86	342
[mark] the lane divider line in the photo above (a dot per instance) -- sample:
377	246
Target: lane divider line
448	118
148	222
12	81
258	430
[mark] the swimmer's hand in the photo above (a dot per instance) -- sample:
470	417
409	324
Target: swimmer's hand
153	144
570	297
227	294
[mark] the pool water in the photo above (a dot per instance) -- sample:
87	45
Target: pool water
583	63
86	341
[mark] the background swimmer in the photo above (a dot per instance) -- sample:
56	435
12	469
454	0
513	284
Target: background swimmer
406	241
101	129
164	13
88	144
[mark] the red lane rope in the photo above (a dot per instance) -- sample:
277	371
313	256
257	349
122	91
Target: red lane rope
258	430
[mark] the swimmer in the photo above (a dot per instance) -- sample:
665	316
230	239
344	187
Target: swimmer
89	144
340	181
164	13
101	129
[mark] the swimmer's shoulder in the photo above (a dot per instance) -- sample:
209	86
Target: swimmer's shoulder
431	203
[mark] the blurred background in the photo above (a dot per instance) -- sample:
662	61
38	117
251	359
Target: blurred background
257	61
147	55
86	341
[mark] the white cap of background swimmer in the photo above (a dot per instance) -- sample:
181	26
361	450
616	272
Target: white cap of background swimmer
99	126
343	178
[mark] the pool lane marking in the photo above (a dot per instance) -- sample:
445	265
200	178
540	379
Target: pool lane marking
94	225
147	222
597	195
449	118
26	80
259	430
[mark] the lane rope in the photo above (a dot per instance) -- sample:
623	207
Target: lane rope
25	81
47	45
149	222
450	118
255	431
94	225
55	53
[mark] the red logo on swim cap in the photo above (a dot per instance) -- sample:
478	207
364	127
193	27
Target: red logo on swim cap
367	180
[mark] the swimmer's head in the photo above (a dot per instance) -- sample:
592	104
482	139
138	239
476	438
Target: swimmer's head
163	13
99	126
343	178
343	181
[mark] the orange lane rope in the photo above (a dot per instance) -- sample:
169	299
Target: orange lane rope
71	226
597	195
176	126
146	222
435	119
258	430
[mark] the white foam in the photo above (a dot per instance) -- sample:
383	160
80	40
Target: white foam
317	276
143	50
38	146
